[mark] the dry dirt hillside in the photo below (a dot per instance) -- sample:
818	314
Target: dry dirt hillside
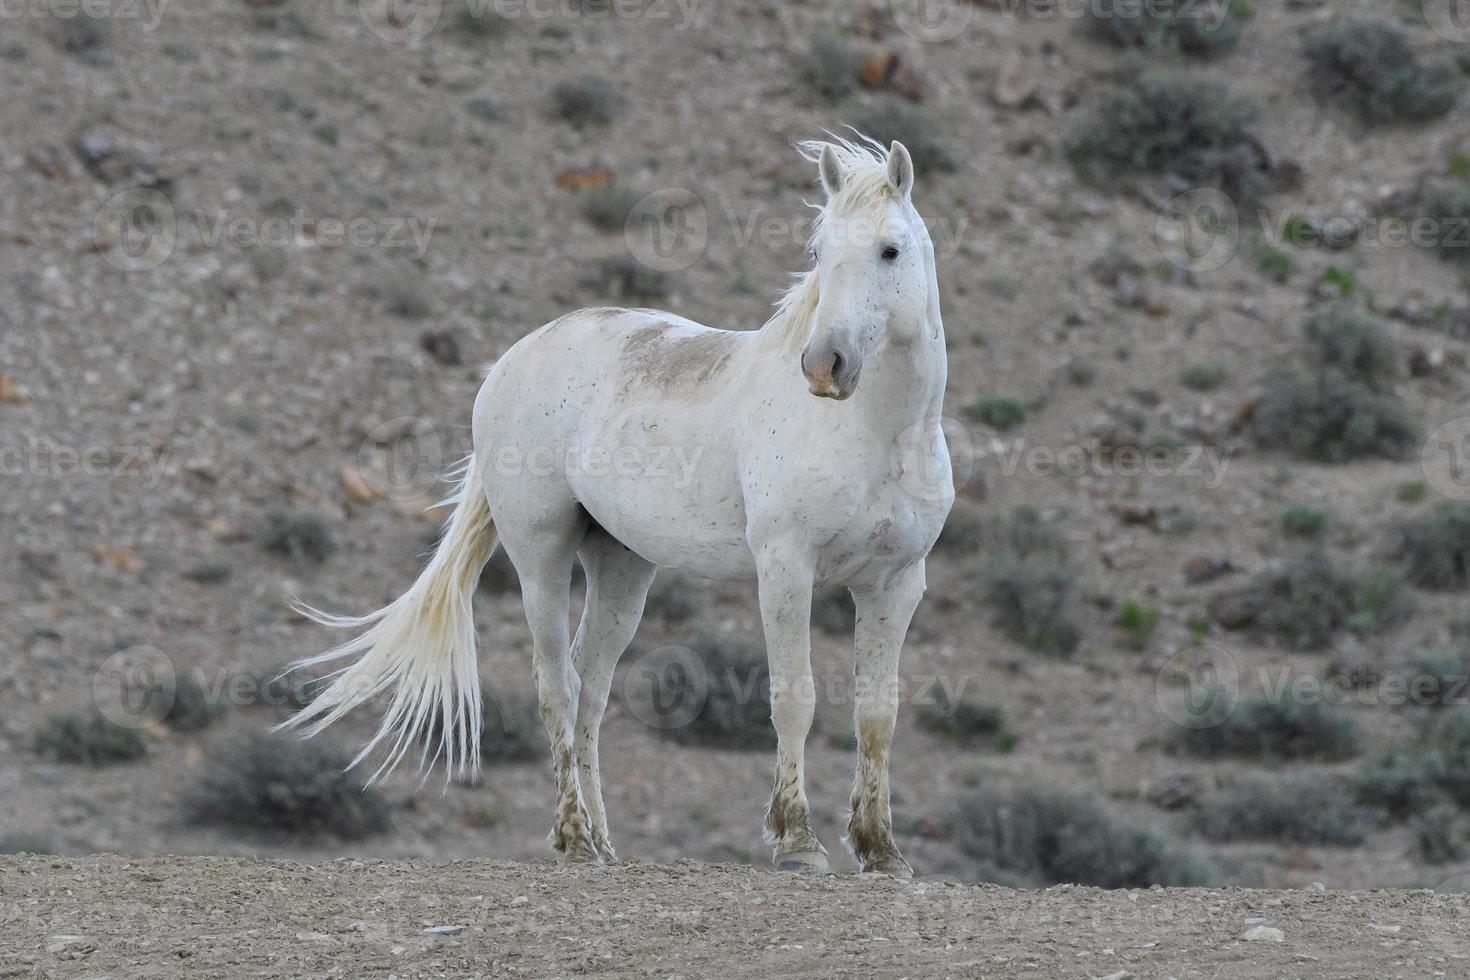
221	917
254	255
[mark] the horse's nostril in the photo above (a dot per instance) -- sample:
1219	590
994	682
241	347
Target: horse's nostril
836	364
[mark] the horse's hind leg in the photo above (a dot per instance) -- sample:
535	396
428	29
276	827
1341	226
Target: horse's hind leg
883	615
617	584
542	544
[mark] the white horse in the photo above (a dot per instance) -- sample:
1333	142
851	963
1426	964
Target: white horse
848	487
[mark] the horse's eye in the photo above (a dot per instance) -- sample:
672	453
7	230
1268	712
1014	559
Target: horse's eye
890	253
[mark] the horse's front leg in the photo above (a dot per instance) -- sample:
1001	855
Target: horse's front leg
785	583
883	615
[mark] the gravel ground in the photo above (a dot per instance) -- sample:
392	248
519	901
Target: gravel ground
216	917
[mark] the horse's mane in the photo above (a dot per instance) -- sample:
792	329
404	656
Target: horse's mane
865	187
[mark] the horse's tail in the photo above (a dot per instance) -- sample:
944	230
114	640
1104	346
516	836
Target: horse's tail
421	647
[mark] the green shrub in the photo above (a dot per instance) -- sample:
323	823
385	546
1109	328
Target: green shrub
833	610
1448	206
606	208
1037	835
1027	579
1447	760
1398	785
1440	681
484	108
88	737
1370	67
1302	521
1306	601
736	709
1275	263
266	783
499	574
624	277
298	536
959	718
1411	492
1297	811
1183	126
585	101
192	708
476	23
887	120
24	842
1439	836
831	67
1203	377
964	528
1433	547
511	729
1081	372
998	412
1274	729
1201	30
1138	620
1341	405
671	598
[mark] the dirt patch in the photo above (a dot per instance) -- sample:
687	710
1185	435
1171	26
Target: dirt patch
192	917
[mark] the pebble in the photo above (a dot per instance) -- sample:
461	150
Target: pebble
1270	934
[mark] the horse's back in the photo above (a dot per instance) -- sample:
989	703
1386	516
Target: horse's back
628	413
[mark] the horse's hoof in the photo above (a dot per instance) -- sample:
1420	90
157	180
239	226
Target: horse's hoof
807	862
894	867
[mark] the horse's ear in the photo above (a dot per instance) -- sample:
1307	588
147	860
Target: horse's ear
900	169
830	169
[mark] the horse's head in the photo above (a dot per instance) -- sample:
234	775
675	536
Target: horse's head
873	267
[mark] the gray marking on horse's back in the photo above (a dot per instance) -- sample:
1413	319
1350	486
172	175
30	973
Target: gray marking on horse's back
675	365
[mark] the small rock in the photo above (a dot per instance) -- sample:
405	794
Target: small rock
355	485
1206	568
444	930
209	573
1174	792
1237	609
1269	934
443	346
1354	666
10	392
1015	84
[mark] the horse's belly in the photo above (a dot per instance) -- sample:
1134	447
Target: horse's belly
665	487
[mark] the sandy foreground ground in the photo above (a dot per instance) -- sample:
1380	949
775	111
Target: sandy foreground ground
109	916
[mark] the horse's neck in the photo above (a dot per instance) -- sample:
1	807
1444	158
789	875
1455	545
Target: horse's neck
903	383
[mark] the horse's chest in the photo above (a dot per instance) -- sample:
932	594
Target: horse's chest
890	530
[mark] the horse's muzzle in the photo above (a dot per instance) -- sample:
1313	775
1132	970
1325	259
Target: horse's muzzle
829	374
